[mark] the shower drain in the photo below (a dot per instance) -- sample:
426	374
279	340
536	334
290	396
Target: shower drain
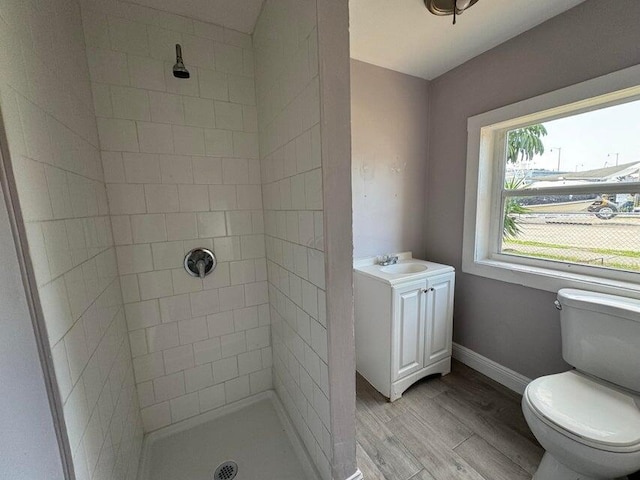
226	471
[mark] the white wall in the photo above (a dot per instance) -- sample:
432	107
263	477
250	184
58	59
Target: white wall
286	48
182	171
48	112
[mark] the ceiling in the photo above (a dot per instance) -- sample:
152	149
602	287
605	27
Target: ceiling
402	35
238	15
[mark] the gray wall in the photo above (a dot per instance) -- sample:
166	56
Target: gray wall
28	442
389	146
515	326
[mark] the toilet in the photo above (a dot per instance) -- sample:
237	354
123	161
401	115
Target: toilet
588	419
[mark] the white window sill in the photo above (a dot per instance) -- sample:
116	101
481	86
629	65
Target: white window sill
548	279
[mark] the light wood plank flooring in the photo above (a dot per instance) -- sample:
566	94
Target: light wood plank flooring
460	426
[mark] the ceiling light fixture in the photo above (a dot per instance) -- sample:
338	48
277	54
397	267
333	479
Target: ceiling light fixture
449	7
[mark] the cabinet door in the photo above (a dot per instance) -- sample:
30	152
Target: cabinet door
408	329
438	319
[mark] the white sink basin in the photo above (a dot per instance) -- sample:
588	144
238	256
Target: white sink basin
404	268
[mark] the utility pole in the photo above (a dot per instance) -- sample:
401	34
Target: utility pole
617	157
559	149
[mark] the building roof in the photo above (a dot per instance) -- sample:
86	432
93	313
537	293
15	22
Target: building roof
599	174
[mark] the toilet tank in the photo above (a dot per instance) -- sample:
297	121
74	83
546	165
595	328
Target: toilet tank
601	335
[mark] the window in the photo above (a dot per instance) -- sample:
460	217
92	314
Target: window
553	188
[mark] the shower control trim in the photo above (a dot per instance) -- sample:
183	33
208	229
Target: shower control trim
200	262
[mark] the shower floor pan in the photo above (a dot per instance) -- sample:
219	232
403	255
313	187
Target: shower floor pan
254	433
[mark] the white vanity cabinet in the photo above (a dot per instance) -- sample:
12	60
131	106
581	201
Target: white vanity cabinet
403	324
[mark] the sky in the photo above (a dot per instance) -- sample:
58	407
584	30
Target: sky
589	140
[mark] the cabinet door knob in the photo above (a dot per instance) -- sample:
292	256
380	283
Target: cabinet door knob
426	290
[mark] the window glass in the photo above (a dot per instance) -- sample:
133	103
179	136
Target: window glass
571	189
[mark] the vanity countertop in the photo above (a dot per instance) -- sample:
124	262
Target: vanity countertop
406	270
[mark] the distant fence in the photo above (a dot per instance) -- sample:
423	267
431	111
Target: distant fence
577	237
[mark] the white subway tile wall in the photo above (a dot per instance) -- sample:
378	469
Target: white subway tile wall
182	170
48	111
120	176
285	43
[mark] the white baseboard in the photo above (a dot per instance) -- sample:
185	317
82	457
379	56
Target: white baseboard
501	374
356	476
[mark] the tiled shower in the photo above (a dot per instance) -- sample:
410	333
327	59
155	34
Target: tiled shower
181	168
121	169
288	97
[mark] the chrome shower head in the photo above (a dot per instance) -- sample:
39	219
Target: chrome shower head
179	70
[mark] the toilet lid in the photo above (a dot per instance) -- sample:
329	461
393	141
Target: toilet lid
587	409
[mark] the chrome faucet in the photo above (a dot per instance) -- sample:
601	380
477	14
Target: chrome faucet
388	260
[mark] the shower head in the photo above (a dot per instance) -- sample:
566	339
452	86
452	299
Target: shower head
179	70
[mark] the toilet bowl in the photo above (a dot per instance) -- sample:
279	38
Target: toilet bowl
589	430
588	419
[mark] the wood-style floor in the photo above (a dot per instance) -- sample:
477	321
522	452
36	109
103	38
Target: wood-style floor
460	426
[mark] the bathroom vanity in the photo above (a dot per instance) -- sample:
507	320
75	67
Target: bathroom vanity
403	320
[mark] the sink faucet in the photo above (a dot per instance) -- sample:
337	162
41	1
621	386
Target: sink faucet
388	260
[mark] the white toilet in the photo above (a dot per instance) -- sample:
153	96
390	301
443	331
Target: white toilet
588	419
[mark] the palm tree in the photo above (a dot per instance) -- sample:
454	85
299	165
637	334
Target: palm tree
512	207
526	142
523	144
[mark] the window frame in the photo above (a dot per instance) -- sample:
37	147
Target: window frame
483	214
